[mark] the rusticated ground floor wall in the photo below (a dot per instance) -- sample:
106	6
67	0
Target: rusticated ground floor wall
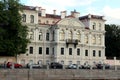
57	74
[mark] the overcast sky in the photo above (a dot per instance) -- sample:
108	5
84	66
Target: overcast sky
108	8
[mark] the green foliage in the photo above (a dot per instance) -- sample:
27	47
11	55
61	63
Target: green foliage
112	40
13	35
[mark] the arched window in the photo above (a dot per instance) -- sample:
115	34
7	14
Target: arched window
24	17
31	19
94	26
93	39
62	35
70	35
78	36
86	38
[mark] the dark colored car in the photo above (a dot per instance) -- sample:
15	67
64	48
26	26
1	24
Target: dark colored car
16	65
56	65
87	66
101	66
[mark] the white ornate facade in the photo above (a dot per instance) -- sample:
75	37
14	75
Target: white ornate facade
61	38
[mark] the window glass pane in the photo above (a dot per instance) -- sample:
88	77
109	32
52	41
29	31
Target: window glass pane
47	51
40	50
70	51
86	52
78	51
31	50
99	53
93	53
62	51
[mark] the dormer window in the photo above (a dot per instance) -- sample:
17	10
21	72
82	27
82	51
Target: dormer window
31	18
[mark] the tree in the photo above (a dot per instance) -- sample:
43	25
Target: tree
13	35
112	40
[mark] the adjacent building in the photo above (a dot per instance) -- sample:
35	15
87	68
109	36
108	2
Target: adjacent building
63	38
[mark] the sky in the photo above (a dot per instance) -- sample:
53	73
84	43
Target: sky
108	8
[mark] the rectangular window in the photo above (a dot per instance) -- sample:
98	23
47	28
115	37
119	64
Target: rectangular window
93	53
53	51
70	51
62	51
47	36
40	50
31	50
99	53
78	51
47	51
86	52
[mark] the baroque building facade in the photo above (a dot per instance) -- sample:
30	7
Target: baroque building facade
63	38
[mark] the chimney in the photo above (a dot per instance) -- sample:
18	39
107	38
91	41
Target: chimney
75	14
54	12
63	14
43	12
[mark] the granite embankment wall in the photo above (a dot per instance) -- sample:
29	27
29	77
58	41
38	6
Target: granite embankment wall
57	74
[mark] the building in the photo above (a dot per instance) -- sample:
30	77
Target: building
63	38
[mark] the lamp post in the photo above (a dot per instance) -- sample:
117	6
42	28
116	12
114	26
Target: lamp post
115	63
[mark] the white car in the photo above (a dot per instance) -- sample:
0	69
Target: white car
34	65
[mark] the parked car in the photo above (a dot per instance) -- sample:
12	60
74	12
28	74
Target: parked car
34	65
72	66
101	66
16	65
56	65
86	66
